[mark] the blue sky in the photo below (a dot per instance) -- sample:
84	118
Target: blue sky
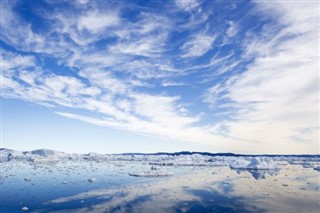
148	76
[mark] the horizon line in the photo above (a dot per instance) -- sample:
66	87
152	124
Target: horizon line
184	152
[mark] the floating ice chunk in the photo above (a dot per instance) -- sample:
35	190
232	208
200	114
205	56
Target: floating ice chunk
155	168
45	160
240	163
161	163
317	168
91	156
24	208
91	180
27	179
152	173
255	163
43	152
10	157
65	182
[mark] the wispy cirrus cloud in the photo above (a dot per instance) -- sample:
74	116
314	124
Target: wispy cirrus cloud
198	45
147	37
187	5
279	91
146	69
89	21
232	29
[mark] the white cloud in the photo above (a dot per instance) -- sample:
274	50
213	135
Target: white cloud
83	1
198	45
117	103
18	33
104	80
148	69
232	29
167	83
28	77
278	95
11	61
145	47
187	5
213	94
12	32
96	22
146	37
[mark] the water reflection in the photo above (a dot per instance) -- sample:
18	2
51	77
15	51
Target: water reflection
259	174
191	189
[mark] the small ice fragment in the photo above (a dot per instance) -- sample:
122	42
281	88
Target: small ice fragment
25	208
91	180
27	179
65	182
154	168
317	168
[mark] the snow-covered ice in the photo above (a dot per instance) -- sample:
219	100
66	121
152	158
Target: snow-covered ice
254	163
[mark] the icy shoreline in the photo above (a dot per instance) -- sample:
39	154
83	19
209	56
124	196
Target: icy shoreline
182	159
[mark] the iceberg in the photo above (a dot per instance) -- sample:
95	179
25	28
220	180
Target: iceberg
254	163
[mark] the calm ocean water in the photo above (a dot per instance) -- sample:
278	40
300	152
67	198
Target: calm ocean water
65	187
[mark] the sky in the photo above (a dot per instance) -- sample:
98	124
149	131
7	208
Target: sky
160	75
